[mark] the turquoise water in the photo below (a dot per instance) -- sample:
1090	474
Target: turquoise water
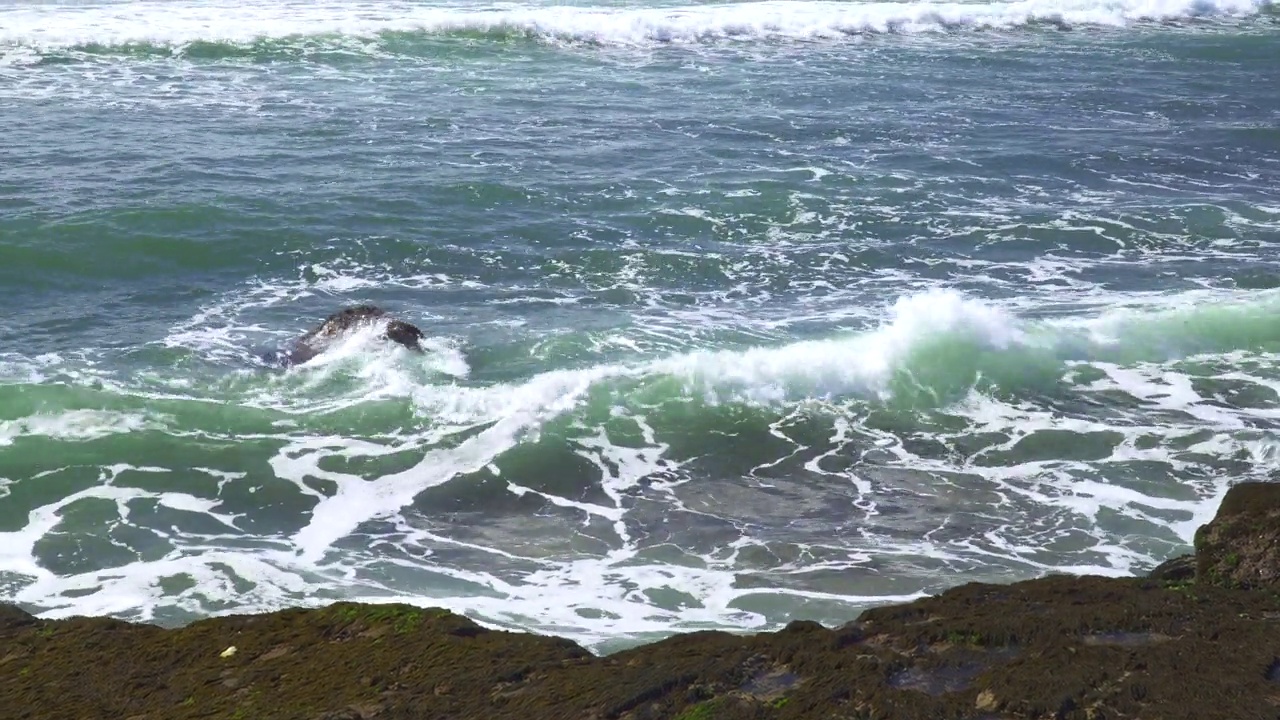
736	313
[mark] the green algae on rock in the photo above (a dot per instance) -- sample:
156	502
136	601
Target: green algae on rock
1070	648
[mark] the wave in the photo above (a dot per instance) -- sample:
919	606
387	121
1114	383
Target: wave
368	430
936	347
214	29
931	349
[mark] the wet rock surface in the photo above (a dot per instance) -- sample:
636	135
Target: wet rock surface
1168	646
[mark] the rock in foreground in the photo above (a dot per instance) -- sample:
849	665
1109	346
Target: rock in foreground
1241	547
1059	647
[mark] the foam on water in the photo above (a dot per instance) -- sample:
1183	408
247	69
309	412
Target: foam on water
362	533
119	24
516	411
74	425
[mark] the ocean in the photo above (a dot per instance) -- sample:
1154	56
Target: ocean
736	313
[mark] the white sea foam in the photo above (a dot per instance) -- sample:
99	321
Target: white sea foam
74	425
178	24
862	362
1021	505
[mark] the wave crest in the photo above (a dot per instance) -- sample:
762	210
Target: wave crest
213	29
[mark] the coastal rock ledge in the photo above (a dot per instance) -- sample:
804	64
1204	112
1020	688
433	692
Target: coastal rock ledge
1198	639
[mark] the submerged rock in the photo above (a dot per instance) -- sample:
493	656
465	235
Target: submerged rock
347	320
1069	648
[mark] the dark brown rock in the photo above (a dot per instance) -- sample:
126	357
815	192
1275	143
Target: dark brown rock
1058	647
1240	547
1175	570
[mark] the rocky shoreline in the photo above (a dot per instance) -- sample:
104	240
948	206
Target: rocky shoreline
1199	639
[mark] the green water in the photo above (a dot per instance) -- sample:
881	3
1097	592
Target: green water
735	313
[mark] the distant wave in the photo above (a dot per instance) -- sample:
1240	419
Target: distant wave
225	28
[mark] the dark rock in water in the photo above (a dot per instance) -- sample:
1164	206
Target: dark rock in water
1240	547
1179	569
1257	280
349	319
1067	648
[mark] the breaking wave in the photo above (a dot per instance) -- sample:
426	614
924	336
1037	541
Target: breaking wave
222	29
930	349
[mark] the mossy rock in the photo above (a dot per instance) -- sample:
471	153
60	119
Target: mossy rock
1240	547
